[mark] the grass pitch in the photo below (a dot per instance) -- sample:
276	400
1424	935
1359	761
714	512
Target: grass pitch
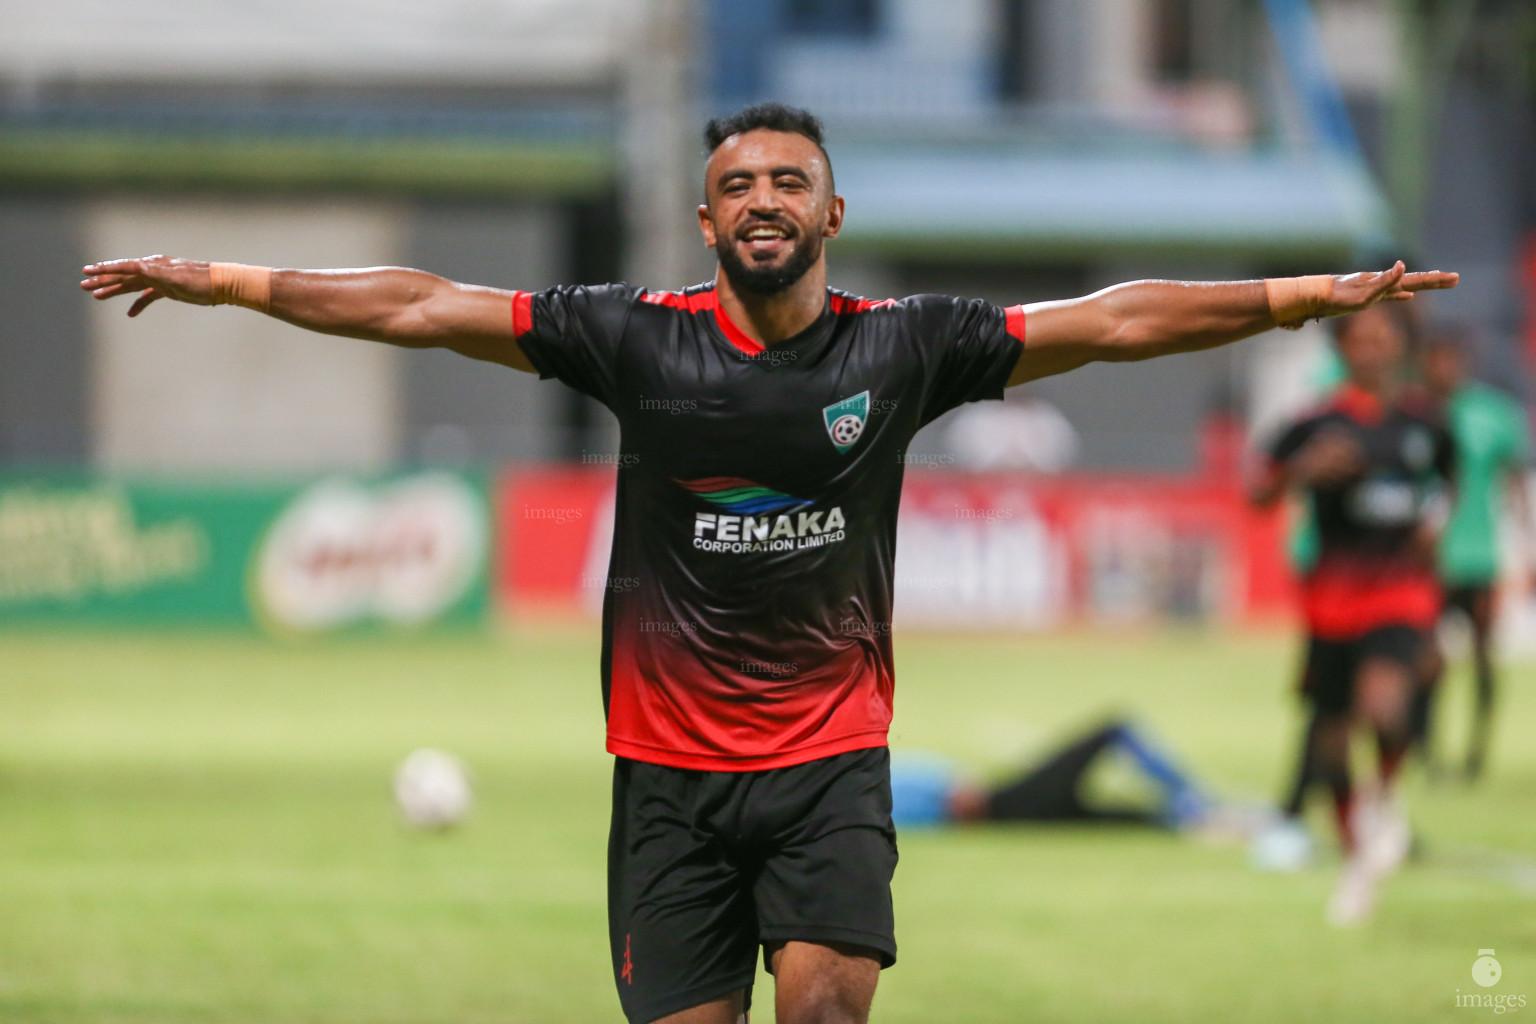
198	828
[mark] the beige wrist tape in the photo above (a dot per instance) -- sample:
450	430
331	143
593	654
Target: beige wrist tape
236	284
1295	300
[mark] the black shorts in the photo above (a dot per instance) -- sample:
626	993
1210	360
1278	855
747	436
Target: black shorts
705	867
1468	600
1332	665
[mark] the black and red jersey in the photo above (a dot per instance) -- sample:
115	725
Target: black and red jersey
755	523
1372	567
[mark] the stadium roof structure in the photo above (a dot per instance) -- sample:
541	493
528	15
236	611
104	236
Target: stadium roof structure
1026	198
378	144
1276	205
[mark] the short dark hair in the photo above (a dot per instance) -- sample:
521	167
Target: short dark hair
775	117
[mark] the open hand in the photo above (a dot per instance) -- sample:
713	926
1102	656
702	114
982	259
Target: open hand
156	277
1354	292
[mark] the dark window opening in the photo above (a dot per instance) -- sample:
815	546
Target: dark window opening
1015	67
1173	40
856	18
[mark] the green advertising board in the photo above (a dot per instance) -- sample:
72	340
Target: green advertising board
402	551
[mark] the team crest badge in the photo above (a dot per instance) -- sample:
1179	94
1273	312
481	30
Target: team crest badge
845	420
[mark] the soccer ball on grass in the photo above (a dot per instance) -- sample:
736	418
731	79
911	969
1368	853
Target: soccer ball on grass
432	790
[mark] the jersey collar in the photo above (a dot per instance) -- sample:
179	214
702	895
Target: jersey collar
739	338
707	300
1359	405
733	334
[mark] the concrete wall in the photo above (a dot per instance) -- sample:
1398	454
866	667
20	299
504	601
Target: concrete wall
184	388
456	409
188	388
1484	201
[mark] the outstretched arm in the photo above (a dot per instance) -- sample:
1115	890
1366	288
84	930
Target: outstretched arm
1145	319
394	305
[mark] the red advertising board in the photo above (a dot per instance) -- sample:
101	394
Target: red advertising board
554	525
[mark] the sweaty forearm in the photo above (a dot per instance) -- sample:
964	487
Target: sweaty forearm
388	304
1156	318
1145	319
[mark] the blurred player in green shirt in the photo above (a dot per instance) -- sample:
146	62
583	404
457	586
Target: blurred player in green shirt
1492	446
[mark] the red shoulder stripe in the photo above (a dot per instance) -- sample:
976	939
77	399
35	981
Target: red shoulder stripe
698	302
1015	322
848	304
522	314
706	301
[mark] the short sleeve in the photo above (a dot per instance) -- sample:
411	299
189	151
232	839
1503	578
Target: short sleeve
971	345
572	333
1292	439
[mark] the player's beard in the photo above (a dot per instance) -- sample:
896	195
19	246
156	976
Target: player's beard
769	280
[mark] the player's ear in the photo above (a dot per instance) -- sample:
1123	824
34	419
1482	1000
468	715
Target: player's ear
707	225
834	219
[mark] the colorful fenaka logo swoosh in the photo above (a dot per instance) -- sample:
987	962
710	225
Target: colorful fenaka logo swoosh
741	497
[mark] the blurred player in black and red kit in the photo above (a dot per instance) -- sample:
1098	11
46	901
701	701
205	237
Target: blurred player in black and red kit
748	682
1377	467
